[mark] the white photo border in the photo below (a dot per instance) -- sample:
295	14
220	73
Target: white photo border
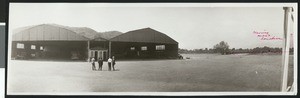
294	5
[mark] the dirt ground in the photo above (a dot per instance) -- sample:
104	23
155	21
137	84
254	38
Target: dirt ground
203	72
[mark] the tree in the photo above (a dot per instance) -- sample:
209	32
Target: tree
233	50
222	48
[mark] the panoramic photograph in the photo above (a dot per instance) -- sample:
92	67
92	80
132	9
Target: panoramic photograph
66	48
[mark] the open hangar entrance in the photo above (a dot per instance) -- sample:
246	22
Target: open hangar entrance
98	49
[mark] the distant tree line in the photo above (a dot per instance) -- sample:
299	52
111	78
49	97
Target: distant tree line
257	50
206	50
223	48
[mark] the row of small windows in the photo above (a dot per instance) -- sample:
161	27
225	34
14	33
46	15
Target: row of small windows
157	47
20	46
33	47
160	47
143	48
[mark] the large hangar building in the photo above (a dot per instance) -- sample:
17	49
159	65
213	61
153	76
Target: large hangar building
52	41
144	43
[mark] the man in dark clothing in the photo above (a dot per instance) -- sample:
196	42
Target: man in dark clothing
113	63
100	62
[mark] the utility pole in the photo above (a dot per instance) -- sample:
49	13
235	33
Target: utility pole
285	49
109	49
88	51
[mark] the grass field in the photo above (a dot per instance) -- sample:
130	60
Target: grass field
203	72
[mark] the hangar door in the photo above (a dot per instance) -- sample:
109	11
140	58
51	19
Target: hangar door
98	54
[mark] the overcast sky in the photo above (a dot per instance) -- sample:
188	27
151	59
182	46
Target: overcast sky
192	27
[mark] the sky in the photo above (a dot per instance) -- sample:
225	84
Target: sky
192	27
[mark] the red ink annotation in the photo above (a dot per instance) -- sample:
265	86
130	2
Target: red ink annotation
264	35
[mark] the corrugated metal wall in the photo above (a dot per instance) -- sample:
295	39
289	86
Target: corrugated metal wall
122	50
146	35
47	32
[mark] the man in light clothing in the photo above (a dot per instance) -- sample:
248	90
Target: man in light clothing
109	61
93	64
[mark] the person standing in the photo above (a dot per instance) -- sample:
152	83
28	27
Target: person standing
93	64
109	64
113	63
100	63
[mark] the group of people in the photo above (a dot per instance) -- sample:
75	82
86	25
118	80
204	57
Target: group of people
111	62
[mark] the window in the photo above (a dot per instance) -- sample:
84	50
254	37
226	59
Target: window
41	48
20	45
160	47
32	55
33	47
132	48
144	48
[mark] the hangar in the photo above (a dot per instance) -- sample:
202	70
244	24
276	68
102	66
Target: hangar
144	43
52	41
